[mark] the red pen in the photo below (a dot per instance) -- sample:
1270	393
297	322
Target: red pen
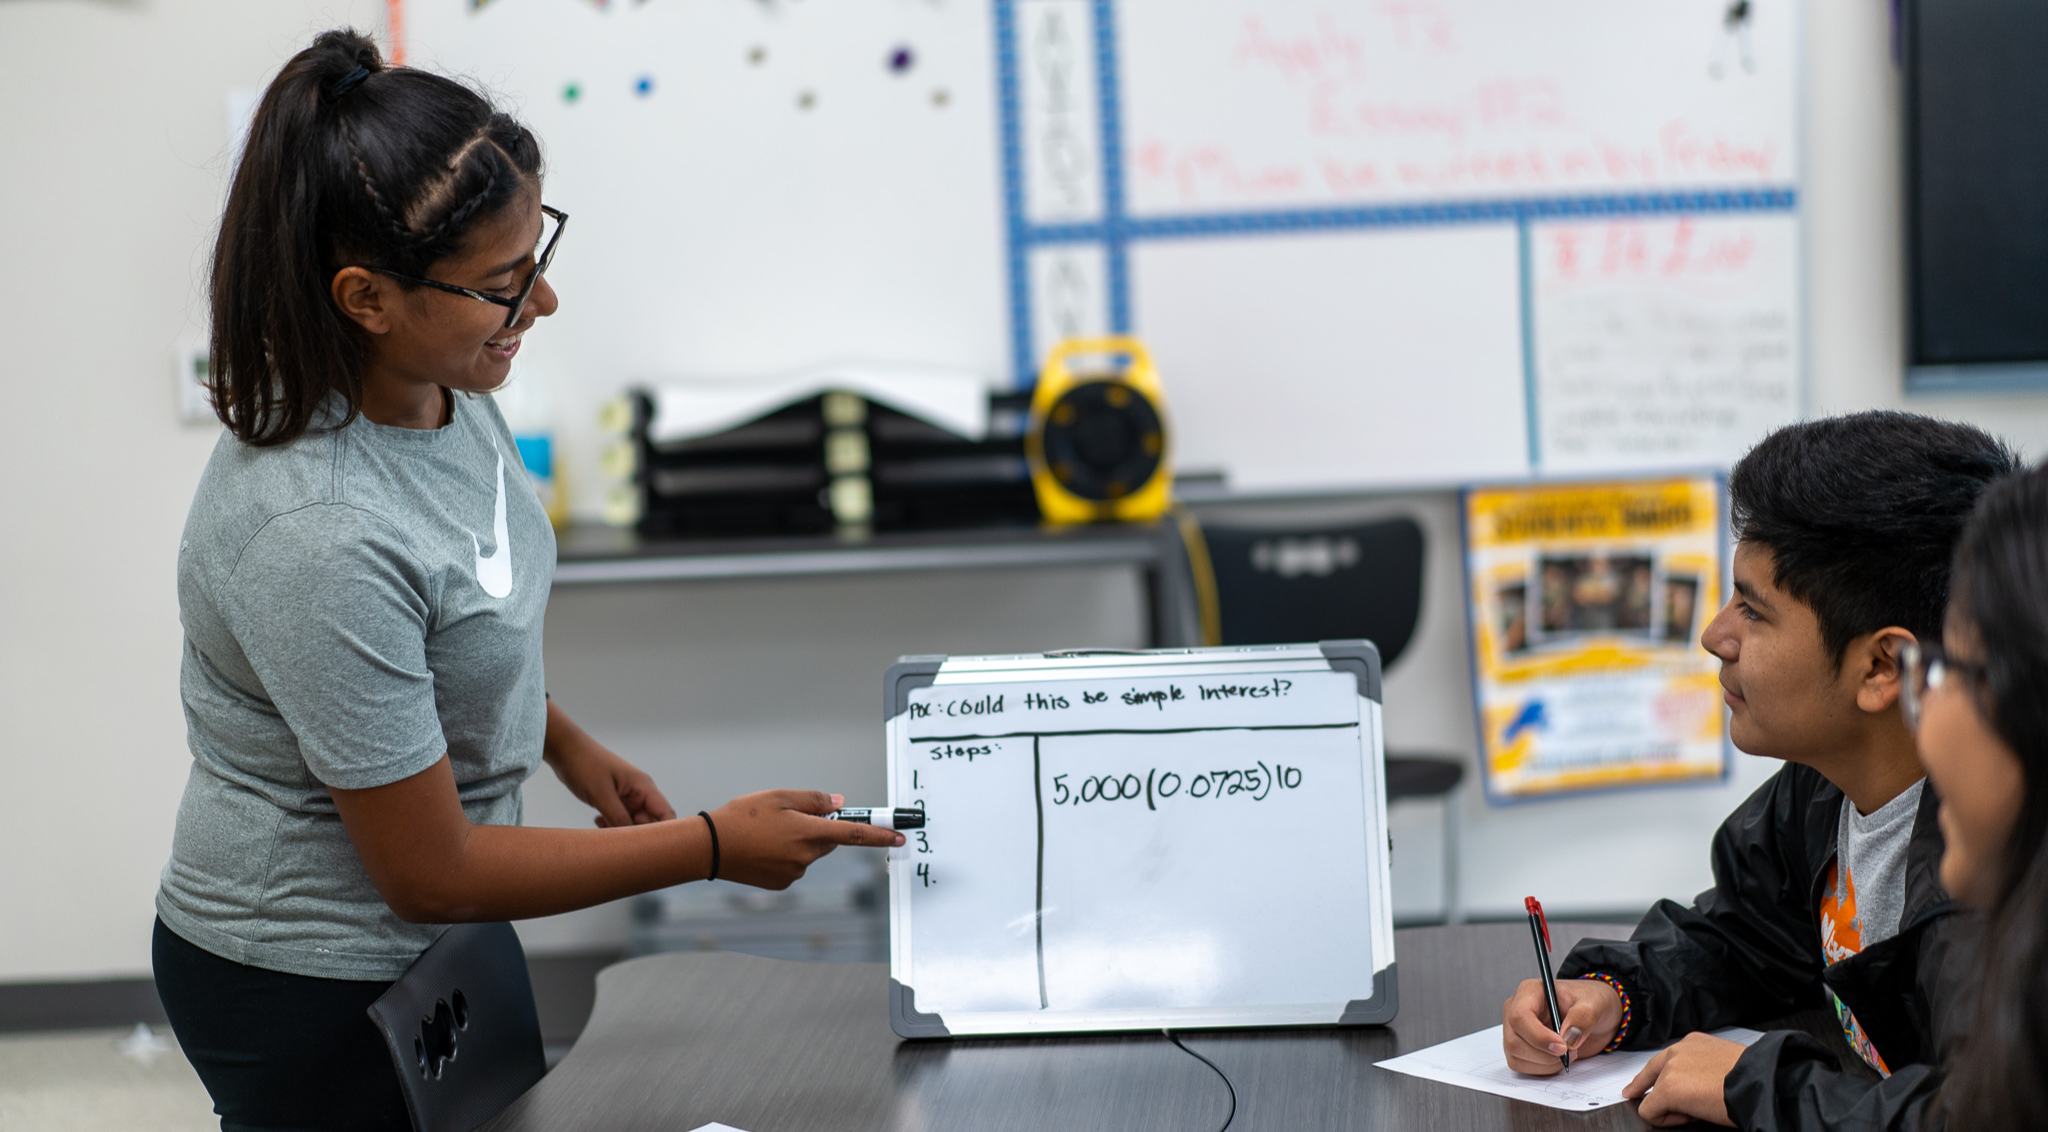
1539	931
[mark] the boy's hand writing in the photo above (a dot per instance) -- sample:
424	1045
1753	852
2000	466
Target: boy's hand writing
1685	1082
1592	1013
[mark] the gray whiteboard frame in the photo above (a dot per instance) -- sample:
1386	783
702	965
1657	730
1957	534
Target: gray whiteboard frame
1361	658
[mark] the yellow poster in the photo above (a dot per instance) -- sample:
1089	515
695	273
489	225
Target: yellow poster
1586	605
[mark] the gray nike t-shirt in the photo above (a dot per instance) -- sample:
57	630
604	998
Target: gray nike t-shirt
356	603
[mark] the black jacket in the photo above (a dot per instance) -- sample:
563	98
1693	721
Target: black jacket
1749	951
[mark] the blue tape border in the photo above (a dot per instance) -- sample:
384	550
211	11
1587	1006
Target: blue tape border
1022	357
1109	129
1507	210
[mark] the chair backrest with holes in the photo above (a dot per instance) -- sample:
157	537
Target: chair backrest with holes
462	1029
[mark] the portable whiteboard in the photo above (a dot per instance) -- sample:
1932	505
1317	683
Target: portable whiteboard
1136	840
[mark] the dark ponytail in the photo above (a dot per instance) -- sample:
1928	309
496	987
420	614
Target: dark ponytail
1997	1080
348	162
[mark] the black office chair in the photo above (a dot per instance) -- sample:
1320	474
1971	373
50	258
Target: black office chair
1275	586
462	1028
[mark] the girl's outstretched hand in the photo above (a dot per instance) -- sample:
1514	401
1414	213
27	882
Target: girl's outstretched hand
768	839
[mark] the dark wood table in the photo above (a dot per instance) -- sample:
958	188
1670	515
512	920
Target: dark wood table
677	1041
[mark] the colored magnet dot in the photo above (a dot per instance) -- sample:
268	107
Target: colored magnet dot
902	59
645	86
806	100
940	97
757	56
571	92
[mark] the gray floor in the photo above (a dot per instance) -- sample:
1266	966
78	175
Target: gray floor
58	1077
99	1081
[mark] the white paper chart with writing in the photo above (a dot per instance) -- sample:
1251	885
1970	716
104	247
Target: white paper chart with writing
1188	839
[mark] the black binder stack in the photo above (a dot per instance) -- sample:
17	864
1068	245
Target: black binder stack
835	462
929	479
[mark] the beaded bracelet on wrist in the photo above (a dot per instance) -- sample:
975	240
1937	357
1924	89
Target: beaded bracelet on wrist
1627	1016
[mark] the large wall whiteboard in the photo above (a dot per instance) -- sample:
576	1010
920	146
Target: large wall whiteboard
1370	241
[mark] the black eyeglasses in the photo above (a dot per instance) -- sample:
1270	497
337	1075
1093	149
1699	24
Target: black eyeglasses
1927	668
516	304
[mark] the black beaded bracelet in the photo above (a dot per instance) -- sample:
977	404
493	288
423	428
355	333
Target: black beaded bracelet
714	843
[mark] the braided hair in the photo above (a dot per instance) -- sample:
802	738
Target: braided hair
348	162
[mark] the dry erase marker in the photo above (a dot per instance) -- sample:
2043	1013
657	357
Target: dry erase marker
879	818
1539	930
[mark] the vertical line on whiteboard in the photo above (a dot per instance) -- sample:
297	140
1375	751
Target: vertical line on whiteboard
1525	253
1115	237
394	24
1038	901
1022	361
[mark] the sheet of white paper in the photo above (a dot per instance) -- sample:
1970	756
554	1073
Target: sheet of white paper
955	400
1475	1062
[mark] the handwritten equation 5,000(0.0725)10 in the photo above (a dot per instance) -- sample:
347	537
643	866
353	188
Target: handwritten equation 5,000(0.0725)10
1253	783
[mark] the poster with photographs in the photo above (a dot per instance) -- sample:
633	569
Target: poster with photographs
1587	601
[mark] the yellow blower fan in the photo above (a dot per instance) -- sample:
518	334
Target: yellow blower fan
1097	441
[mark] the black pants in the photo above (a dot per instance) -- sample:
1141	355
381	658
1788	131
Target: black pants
278	1051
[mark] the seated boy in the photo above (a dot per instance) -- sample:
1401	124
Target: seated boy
1826	881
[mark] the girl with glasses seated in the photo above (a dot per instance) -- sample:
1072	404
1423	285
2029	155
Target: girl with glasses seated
1980	707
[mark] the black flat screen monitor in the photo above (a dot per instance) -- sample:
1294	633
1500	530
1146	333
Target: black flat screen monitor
1976	193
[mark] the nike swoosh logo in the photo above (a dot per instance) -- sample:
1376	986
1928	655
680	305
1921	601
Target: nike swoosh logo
494	574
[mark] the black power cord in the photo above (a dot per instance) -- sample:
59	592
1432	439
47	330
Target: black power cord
1212	1065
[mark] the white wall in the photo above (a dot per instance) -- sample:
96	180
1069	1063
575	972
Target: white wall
112	166
112	157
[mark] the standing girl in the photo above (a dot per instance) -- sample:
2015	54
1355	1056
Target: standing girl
362	580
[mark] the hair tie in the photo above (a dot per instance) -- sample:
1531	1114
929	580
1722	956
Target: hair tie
347	82
714	843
